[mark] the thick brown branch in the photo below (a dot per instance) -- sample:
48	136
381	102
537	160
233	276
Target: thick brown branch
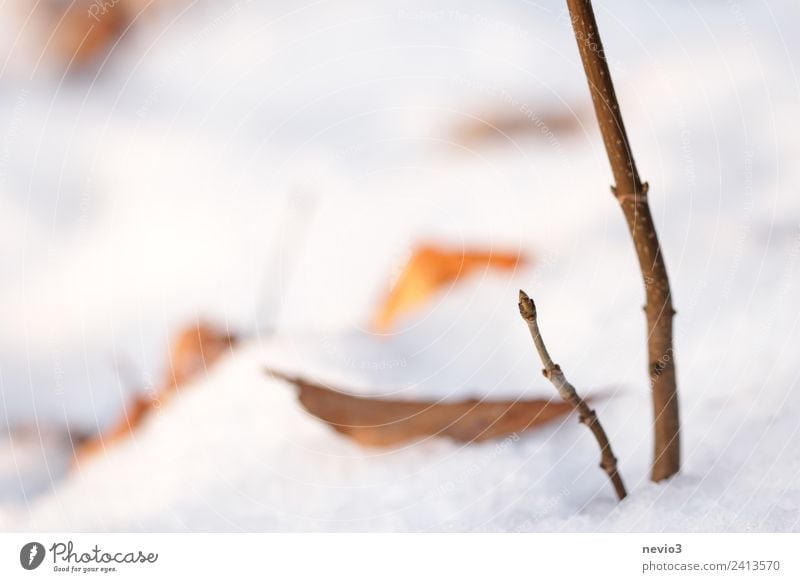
552	372
631	193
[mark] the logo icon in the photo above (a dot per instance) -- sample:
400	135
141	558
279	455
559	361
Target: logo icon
31	555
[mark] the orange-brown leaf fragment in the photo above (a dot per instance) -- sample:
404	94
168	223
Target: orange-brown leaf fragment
429	270
518	123
194	350
77	35
384	422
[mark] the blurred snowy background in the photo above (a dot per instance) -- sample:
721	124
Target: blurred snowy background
269	166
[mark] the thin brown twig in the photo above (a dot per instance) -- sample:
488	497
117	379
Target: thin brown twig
587	416
631	193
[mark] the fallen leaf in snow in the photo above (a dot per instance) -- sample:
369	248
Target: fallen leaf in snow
193	352
429	270
80	33
382	422
519	123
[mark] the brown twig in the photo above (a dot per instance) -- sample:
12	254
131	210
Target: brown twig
552	371
631	193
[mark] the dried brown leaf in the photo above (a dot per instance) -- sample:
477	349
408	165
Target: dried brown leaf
194	350
384	422
429	270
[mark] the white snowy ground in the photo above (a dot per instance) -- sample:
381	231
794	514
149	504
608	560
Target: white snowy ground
174	184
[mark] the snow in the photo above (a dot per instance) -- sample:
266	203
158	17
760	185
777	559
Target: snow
271	167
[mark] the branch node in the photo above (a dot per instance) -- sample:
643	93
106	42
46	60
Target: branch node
639	194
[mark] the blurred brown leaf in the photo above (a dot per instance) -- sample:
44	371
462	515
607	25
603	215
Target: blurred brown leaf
382	422
194	350
78	34
517	123
429	270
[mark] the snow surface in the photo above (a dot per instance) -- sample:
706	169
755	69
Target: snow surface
271	167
